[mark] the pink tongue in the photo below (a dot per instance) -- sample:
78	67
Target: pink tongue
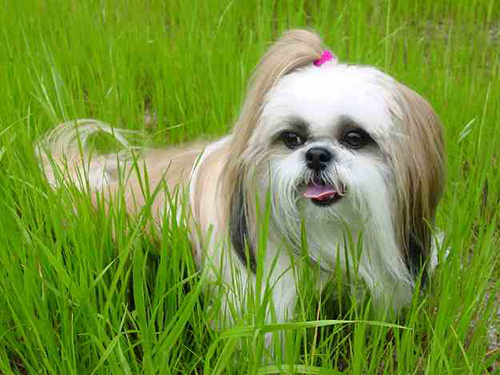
320	192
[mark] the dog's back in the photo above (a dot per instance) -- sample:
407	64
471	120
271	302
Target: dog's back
139	175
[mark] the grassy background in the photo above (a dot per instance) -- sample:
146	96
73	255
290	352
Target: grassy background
75	301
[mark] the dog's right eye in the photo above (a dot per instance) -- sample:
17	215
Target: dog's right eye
292	140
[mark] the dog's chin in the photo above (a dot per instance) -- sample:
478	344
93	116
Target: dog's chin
322	193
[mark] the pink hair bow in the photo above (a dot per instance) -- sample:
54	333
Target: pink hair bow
325	56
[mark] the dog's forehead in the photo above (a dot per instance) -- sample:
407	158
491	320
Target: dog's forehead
323	96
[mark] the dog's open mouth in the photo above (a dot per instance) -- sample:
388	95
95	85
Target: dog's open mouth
322	194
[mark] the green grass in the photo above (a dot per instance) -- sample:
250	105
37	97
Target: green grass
76	300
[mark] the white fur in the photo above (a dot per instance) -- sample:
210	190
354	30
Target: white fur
321	95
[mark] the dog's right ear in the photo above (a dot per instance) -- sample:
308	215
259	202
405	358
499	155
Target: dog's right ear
295	49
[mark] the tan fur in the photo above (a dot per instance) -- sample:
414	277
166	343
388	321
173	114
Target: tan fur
167	170
295	49
136	174
419	166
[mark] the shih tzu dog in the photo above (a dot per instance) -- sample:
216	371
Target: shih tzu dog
335	151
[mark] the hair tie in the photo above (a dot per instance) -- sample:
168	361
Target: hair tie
325	56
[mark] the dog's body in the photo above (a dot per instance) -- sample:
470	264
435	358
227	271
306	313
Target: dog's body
344	155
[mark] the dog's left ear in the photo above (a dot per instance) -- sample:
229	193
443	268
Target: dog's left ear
417	157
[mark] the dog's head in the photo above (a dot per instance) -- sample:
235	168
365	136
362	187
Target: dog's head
334	144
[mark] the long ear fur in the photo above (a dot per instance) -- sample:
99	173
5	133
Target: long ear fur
239	230
418	160
295	49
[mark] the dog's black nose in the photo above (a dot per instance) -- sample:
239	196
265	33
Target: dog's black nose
317	158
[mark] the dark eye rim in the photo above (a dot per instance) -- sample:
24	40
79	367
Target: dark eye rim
286	137
362	140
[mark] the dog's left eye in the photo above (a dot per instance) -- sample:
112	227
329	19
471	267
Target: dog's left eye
292	140
356	138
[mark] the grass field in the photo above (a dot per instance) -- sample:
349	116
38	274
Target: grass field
75	300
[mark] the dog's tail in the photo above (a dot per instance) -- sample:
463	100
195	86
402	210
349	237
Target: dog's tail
66	155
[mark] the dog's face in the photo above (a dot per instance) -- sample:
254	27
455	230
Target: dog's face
321	145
